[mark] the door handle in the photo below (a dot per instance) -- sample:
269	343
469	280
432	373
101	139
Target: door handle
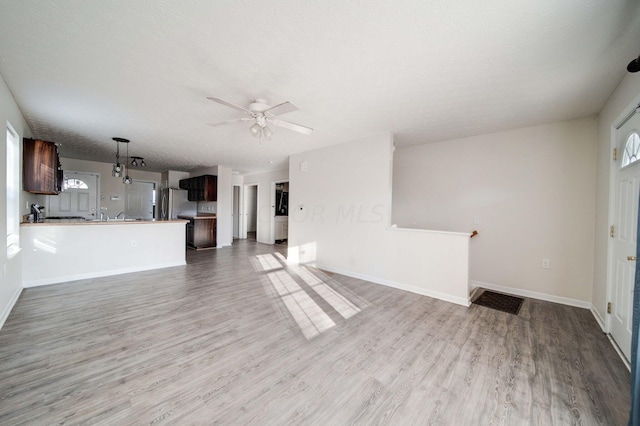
631	258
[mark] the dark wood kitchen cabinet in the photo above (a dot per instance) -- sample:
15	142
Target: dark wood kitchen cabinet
201	188
201	231
41	168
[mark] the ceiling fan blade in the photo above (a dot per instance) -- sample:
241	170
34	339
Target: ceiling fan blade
230	105
282	108
292	126
235	120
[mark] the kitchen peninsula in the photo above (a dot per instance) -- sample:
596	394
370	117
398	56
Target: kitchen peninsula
68	251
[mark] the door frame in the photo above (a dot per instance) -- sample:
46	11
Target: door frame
272	233
240	203
614	170
244	210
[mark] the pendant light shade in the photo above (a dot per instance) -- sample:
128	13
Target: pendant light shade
255	129
266	132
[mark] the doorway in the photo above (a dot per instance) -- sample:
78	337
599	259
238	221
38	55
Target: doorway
140	200
280	214
251	211
78	198
623	245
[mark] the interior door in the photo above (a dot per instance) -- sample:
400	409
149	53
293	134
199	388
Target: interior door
79	197
236	212
140	199
625	236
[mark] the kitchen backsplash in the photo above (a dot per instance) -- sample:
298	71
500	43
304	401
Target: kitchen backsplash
207	206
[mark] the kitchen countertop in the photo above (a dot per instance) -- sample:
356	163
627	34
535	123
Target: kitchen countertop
56	222
203	216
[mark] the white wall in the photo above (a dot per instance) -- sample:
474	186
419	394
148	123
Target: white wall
339	215
266	210
172	178
626	95
109	185
11	272
532	191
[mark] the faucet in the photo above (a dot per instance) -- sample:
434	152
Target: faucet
121	213
103	214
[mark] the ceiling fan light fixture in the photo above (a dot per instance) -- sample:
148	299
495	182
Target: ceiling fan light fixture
266	132
134	162
256	130
142	163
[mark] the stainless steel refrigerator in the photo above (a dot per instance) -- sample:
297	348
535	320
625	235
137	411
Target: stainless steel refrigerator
173	201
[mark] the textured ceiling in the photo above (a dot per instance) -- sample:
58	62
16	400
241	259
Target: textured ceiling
85	71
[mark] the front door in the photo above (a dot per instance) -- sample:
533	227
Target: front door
79	196
625	233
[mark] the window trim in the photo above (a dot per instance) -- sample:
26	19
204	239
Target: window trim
12	199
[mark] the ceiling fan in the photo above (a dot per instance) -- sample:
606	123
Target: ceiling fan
261	113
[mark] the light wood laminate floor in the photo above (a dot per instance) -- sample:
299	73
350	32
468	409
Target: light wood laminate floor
238	337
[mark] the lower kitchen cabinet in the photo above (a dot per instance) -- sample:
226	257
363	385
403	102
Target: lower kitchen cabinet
201	231
281	228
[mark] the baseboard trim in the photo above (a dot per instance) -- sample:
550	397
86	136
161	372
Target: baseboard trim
400	286
598	318
7	310
533	294
76	277
620	354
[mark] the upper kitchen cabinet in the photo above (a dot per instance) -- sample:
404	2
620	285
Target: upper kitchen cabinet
201	188
41	169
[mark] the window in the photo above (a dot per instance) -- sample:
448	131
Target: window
13	192
75	184
631	152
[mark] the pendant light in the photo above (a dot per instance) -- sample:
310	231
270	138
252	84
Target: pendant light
127	180
117	167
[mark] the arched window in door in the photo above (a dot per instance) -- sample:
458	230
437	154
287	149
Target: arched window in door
631	152
75	184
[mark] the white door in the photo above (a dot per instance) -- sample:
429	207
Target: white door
250	210
140	199
236	211
78	199
625	239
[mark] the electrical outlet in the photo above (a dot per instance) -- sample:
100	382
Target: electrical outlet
546	264
134	243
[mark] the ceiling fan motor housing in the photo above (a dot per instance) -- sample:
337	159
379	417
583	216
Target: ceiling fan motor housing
258	106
